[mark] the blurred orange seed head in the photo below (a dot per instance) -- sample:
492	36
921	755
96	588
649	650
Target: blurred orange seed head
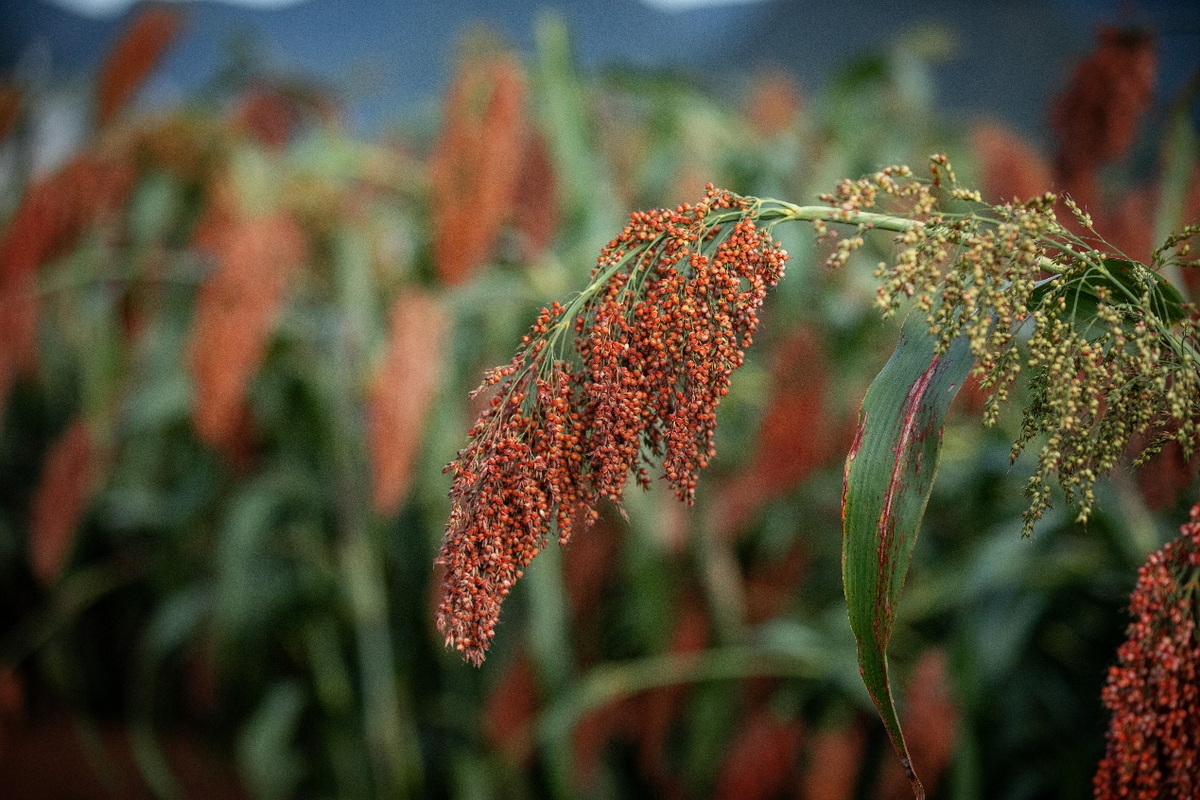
1096	118
1011	167
401	394
235	315
60	500
773	104
52	214
133	57
475	163
762	761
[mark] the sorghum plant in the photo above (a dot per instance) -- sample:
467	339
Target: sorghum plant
631	371
1153	692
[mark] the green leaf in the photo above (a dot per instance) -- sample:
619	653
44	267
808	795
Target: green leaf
361	315
1178	154
889	476
1125	282
1165	299
176	620
154	208
589	199
270	761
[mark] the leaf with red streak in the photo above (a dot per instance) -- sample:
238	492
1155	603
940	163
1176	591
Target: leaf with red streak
889	476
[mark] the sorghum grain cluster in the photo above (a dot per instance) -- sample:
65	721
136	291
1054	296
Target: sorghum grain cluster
626	376
1153	692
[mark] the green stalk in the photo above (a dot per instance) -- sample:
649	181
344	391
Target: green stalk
388	727
611	682
550	646
1178	155
390	734
781	211
77	592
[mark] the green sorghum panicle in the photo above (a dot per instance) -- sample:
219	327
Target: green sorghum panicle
1106	364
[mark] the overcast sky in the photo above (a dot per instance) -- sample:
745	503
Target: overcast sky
388	56
103	8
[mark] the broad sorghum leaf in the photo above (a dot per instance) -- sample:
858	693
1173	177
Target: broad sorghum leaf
889	477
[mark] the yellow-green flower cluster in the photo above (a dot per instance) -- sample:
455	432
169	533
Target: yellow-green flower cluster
1109	347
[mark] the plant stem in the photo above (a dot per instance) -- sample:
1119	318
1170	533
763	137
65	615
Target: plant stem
781	211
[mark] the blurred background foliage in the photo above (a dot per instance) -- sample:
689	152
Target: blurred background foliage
237	348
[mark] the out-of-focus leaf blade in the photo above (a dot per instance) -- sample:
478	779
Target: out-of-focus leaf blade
270	763
588	196
889	476
154	208
177	620
1178	153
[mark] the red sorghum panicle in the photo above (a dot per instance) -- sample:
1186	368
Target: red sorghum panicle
773	105
61	500
270	115
511	710
785	453
276	112
401	393
762	761
1096	118
931	728
475	165
236	312
54	211
1010	168
1153	692
629	373
835	760
133	57
536	199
